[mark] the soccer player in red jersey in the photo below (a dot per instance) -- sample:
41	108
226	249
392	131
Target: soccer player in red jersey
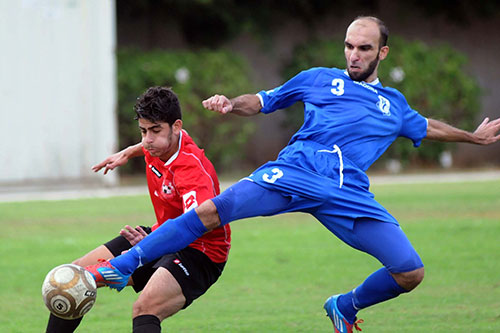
180	177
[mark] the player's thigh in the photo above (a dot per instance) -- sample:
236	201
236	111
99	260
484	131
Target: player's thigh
388	243
106	251
247	199
194	273
101	252
162	296
383	240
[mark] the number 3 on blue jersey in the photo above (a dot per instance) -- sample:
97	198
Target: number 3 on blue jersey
338	87
277	174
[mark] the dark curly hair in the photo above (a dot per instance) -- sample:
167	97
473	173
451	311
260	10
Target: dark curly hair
158	104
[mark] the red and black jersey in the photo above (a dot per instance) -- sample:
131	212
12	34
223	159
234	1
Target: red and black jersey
182	183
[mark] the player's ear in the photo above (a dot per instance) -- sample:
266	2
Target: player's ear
177	127
382	53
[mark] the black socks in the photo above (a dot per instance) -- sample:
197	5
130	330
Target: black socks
59	325
141	324
146	324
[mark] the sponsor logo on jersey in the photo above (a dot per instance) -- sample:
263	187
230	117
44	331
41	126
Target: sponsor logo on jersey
366	85
155	171
189	200
179	263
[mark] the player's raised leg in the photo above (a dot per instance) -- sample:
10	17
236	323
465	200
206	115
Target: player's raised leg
172	236
243	199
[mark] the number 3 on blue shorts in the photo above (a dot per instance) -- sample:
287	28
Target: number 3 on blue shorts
277	174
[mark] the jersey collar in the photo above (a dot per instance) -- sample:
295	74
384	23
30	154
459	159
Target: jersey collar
174	156
373	83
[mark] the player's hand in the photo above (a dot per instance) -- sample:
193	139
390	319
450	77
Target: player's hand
218	103
488	131
113	161
133	235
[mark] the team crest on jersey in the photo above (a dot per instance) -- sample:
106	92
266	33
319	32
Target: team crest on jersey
167	189
384	105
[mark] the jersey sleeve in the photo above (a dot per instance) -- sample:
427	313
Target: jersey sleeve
414	126
288	93
194	184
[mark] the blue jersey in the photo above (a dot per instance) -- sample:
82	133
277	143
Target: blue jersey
361	119
347	126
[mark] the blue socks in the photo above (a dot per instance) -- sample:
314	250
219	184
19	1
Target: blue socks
170	237
378	287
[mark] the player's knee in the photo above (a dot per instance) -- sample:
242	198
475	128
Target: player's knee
409	280
162	309
142	306
139	308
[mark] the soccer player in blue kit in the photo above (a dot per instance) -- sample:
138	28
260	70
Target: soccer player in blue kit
350	119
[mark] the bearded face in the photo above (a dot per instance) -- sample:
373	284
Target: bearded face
363	74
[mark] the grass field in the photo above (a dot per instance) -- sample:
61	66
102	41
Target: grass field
281	269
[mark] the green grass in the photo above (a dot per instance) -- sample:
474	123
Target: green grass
281	269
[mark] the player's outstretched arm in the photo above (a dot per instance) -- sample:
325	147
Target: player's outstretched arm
488	132
120	158
244	105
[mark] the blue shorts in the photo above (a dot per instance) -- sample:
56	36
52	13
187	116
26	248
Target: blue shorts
380	238
325	181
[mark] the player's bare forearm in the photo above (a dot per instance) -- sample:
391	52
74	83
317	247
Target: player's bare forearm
120	158
244	105
486	133
440	131
134	151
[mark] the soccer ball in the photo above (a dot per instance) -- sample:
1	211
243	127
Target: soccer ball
69	291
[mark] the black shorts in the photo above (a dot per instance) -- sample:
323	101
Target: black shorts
192	269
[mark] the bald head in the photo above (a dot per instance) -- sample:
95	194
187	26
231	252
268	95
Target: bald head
372	22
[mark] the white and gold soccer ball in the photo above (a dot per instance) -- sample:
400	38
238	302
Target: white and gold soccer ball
69	291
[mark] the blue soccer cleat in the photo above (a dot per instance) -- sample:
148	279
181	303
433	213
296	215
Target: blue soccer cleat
104	272
340	324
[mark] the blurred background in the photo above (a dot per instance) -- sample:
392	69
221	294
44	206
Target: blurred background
71	71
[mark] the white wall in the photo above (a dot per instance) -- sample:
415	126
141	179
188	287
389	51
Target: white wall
57	90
